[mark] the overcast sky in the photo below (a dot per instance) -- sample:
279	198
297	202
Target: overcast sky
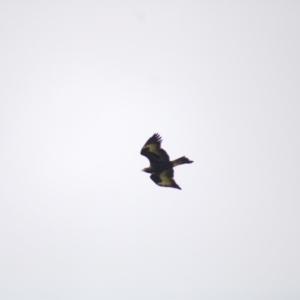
84	84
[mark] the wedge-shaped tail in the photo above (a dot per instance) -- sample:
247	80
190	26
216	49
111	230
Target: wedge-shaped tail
181	160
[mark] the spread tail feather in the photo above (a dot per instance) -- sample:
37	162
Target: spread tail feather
180	161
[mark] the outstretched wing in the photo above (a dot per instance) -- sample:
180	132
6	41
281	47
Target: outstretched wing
165	179
153	151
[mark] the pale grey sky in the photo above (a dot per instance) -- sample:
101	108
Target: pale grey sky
84	84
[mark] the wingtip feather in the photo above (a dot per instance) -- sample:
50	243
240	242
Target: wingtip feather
157	137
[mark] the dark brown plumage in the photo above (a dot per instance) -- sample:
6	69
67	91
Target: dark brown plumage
161	168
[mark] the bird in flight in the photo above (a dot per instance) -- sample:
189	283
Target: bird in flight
161	168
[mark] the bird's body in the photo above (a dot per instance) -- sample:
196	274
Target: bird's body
161	168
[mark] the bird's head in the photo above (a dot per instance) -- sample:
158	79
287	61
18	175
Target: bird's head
147	170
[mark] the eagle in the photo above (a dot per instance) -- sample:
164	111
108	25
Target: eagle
161	167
